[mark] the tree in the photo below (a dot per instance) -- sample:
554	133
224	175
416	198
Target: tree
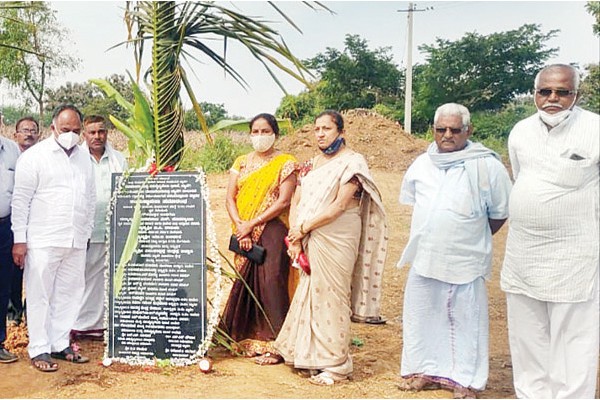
89	98
590	89
357	77
36	54
175	30
213	113
593	7
480	72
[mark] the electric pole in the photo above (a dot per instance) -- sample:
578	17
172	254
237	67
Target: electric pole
408	86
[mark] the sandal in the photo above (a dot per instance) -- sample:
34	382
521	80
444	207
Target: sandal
327	378
464	393
418	383
268	359
69	355
44	363
375	320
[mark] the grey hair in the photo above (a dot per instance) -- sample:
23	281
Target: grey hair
451	109
576	76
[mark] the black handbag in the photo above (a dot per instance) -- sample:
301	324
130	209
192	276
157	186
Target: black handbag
256	254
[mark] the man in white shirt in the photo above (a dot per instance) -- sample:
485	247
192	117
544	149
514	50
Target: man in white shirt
550	272
106	160
9	153
52	219
27	134
459	190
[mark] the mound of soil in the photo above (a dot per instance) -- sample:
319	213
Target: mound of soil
381	140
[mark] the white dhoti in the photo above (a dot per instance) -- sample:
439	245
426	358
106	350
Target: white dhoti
446	331
54	283
554	347
91	314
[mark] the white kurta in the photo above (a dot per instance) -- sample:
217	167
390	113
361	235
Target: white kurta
52	209
550	270
552	249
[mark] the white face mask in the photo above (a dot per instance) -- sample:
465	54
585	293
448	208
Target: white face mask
262	143
554	119
67	140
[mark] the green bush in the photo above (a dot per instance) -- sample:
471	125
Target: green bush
216	158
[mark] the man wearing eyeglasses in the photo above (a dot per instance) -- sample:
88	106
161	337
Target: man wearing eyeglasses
550	272
27	132
459	192
26	135
106	160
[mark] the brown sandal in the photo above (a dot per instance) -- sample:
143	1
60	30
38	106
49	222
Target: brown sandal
268	359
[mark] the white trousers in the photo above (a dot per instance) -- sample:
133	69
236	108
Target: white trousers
91	314
554	347
54	280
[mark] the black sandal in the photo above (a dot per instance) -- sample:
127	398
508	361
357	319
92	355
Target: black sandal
44	363
69	355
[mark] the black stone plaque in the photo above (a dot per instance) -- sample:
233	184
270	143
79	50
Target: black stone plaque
160	311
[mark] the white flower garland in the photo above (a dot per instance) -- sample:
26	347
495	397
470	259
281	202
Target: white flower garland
213	317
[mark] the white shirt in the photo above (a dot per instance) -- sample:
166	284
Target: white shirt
54	197
455	243
103	170
9	153
553	239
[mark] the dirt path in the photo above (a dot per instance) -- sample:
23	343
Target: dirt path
376	362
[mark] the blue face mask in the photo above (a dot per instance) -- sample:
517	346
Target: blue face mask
335	146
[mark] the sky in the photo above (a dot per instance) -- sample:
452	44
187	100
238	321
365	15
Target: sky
94	27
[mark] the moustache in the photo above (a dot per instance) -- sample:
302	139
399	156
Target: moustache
553	105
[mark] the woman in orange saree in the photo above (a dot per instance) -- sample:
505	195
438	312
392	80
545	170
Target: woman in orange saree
261	184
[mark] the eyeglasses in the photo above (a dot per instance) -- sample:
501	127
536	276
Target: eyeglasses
558	92
29	131
99	131
455	131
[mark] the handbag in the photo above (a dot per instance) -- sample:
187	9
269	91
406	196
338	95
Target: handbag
301	261
256	254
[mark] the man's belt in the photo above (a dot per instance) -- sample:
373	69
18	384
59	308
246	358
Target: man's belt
5	219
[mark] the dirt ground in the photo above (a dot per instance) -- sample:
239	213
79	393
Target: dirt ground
376	363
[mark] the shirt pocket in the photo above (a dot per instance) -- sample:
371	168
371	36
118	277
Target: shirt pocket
575	173
7	177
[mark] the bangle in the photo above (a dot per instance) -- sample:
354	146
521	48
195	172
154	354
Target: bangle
302	229
262	221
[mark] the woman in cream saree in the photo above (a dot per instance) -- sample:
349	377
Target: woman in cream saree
340	222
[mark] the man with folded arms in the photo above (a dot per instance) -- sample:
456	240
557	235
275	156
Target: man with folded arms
550	272
106	160
52	216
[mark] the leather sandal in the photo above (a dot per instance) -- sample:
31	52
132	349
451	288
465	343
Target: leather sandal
268	359
69	355
44	363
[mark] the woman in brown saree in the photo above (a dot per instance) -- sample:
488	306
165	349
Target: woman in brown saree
338	220
261	184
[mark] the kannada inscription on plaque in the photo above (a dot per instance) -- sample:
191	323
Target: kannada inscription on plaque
160	311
